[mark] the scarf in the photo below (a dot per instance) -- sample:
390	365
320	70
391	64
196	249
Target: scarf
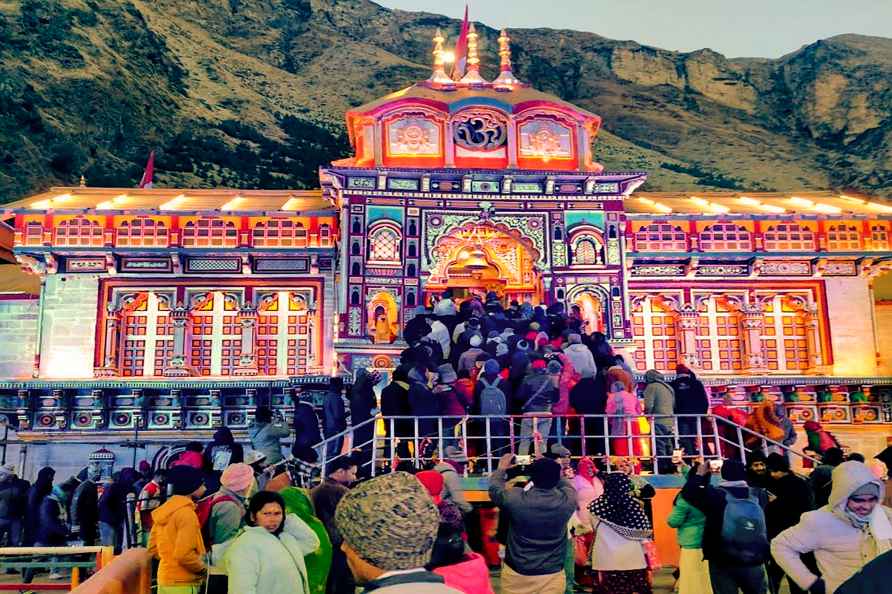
619	510
318	563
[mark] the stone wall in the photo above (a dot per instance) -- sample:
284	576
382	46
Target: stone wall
850	306
69	325
18	335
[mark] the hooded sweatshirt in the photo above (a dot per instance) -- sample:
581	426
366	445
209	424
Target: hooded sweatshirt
840	548
582	359
176	541
659	398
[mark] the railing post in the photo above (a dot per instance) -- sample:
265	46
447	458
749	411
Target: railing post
511	434
392	437
653	444
582	426
700	444
417	454
489	451
441	438
631	450
605	430
374	447
740	445
676	433
715	435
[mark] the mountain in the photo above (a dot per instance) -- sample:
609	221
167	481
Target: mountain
251	93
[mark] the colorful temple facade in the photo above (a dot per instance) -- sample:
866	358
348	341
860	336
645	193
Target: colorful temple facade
181	309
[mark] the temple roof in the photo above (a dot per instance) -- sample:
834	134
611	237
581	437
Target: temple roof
638	205
459	96
766	204
173	200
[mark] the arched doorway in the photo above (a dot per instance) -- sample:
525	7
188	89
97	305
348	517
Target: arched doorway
480	257
592	304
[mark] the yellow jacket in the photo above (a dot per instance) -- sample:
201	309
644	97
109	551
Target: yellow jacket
176	541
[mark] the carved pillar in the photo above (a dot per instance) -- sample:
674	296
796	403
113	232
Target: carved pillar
247	364
177	366
813	336
109	365
687	324
752	319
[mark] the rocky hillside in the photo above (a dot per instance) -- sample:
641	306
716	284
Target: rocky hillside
251	93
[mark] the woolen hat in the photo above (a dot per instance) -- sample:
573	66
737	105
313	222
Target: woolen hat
523	345
475	340
574	339
491	366
682	370
184	480
389	521
501	349
871	489
534	326
545	473
554	367
237	477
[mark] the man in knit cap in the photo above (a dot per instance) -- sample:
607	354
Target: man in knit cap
227	515
389	525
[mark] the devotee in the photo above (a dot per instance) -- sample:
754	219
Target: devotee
334	416
219	454
149	499
885	458
537	395
659	400
580	356
113	511
389	525
849	531
789	498
36	494
363	407
326	497
489	394
689	523
756	470
452	404
191	456
873	577
85	506
690	399
52	530
13	497
467	358
625	410
621	528
318	563
306	430
821	478
736	555
268	556
395	403
266	437
537	526
176	539
227	513
450	468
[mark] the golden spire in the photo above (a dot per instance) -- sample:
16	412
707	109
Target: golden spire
506	78
439	74
83	182
472	76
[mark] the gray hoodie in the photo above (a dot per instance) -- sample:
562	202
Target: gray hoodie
267	439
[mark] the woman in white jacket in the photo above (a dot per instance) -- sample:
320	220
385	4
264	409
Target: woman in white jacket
268	557
846	534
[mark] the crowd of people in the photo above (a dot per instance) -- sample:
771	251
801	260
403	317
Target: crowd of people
574	512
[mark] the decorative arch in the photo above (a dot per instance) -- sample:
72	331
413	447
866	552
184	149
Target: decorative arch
385	240
594	304
586	245
382	314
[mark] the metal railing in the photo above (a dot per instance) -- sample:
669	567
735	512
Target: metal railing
656	442
30	560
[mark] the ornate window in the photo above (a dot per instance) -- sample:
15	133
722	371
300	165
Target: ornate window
661	237
209	232
279	233
843	238
34	233
719	345
879	237
725	237
216	333
284	334
79	231
146	334
586	252
324	235
789	237
656	335
384	243
785	334
142	232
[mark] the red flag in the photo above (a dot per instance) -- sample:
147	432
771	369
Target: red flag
149	173
461	50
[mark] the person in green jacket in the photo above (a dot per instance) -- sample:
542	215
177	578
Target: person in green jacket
297	502
689	522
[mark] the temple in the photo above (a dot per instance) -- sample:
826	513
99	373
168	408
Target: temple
176	310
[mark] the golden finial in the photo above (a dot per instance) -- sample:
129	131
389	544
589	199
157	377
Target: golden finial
83	182
473	74
439	74
506	79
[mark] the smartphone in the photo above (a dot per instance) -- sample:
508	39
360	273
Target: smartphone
677	456
715	465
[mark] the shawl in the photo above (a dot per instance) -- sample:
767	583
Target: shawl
297	502
619	510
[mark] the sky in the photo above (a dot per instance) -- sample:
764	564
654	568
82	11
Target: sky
755	28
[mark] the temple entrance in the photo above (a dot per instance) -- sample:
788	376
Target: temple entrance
478	258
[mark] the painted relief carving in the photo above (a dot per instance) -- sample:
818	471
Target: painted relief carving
479	130
546	139
413	136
